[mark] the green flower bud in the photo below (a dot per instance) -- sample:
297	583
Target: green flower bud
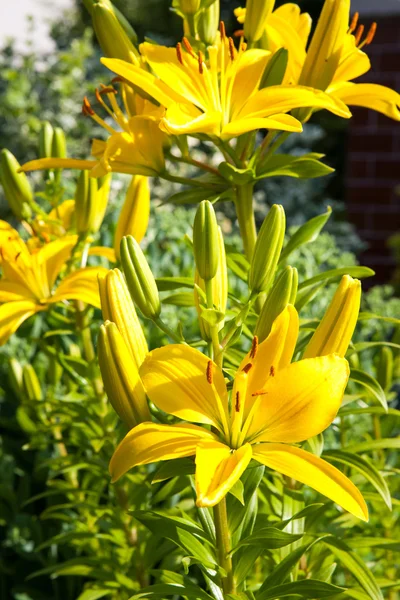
15	377
257	13
208	23
189	7
126	26
111	34
46	140
385	368
283	292
139	278
16	186
267	250
31	383
121	377
91	198
275	70
205	241
59	144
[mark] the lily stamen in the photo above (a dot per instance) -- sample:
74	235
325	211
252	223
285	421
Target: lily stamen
222	30
231	48
358	34
370	35
254	347
237	403
200	61
209	372
179	52
188	47
354	22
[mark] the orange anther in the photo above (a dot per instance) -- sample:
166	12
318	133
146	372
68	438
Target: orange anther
358	34
200	63
231	48
209	372
86	107
371	34
237	404
222	30
244	46
188	47
238	33
354	22
254	347
179	52
107	89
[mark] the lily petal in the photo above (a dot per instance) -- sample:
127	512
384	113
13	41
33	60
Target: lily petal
176	378
103	251
274	354
315	472
54	256
11	292
218	468
186	118
300	401
13	314
80	285
149	442
58	163
369	95
281	122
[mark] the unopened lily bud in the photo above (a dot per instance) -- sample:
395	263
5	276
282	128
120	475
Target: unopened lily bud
111	35
17	189
59	144
334	333
189	7
126	26
121	377
275	70
257	13
31	383
117	306
91	198
205	241
134	216
208	23
46	140
325	50
139	278
267	250
385	368
283	292
15	377
219	286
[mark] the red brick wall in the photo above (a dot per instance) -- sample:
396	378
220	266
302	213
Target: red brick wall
373	171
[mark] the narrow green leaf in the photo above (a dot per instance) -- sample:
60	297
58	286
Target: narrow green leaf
361	346
374	542
268	538
174	468
306	233
94	594
159	590
372	445
179	299
371	384
300	167
365	316
305	588
165	284
356	271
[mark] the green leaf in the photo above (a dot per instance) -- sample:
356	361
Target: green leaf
372	445
353	563
305	588
374	542
371	384
159	590
365	468
192	196
94	594
165	284
268	538
235	175
174	468
212	317
364	316
237	490
300	167
361	346
306	233
179	299
369	410
357	271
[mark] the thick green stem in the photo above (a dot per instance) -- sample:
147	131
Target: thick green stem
88	349
245	215
224	546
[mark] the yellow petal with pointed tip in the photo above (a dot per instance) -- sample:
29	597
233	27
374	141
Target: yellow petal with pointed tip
11	292
54	255
314	472
277	122
80	285
108	253
149	442
218	468
13	314
272	355
369	95
300	401
58	163
176	379
186	118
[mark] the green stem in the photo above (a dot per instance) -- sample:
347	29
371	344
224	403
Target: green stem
187	181
245	215
223	543
164	327
82	323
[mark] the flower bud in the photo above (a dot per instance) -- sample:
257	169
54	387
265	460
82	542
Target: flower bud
121	378
257	13
385	368
31	383
91	198
134	216
275	70
59	144
282	293
15	377
111	34
208	23
16	186
334	333
325	49
139	278
117	306
126	26
219	286
205	240
189	7
267	250
46	140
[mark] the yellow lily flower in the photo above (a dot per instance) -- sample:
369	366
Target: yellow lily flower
29	277
135	212
219	96
137	149
274	404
